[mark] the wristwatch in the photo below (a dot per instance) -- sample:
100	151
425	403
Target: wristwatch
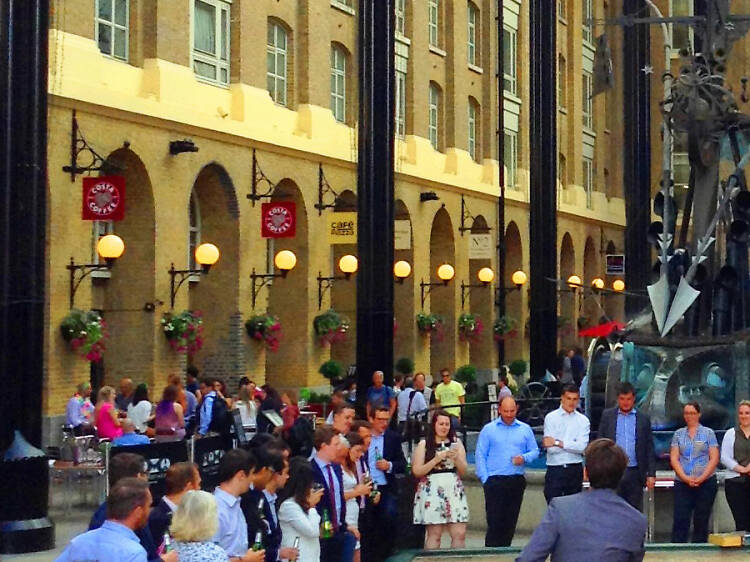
556	443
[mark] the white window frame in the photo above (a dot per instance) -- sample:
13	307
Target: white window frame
675	49
588	180
587	107
510	146
472	129
401	17
194	232
472	20
221	58
510	76
433	127
587	13
433	23
113	27
99	229
400	103
338	72
561	9
278	95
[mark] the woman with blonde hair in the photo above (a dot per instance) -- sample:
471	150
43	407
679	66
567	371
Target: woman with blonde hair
108	426
194	523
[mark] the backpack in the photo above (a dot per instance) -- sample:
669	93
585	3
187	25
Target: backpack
300	437
221	419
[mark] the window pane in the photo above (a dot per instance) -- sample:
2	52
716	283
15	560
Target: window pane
204	69
121	12
105	10
205	27
105	39
224	34
120	41
270	62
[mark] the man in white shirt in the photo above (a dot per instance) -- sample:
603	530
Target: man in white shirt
419	384
410	401
566	434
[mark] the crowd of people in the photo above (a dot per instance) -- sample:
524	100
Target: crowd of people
337	500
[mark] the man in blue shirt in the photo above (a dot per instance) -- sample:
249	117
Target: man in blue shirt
205	412
504	446
128	506
380	396
129	436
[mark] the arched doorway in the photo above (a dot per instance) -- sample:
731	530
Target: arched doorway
515	341
442	299
404	339
481	301
215	219
567	328
343	292
289	298
133	331
592	311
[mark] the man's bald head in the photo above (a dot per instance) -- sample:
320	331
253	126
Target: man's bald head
508	410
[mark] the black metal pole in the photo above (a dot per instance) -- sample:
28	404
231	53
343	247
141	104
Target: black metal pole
501	159
543	187
375	194
636	156
23	192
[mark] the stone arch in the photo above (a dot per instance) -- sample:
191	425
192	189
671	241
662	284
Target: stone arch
442	299
288	298
404	340
591	303
133	331
343	292
514	343
568	309
216	295
481	301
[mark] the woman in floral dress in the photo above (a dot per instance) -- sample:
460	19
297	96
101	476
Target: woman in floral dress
440	502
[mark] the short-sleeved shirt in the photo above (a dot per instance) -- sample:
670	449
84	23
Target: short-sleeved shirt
380	397
694	452
449	394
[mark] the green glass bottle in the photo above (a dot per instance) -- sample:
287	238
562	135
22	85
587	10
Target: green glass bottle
326	527
408	465
258	544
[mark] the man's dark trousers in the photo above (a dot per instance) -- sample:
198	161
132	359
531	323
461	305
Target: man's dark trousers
502	502
563	480
381	526
631	487
339	548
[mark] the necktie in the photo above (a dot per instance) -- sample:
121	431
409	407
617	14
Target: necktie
361	471
332	492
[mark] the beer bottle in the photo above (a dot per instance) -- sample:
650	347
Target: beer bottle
326	527
408	465
167	543
295	546
258	544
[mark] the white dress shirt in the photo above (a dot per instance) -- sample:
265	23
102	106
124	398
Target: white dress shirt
295	522
727	454
418	403
573	430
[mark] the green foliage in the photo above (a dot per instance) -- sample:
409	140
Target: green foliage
429	323
319	398
517	368
184	331
504	327
405	366
469	326
475	416
332	370
466	374
85	332
330	327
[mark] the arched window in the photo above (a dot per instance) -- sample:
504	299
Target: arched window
194	231
277	55
338	83
433	129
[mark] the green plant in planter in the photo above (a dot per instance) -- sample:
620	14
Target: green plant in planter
430	325
405	366
330	327
332	370
319	398
265	328
517	368
184	331
470	326
85	332
466	374
505	327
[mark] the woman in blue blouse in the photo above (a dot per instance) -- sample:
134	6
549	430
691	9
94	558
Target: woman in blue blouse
694	455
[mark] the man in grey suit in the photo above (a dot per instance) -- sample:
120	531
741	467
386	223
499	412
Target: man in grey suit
591	525
631	430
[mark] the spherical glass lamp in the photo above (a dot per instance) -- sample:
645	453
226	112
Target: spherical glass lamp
486	275
285	260
348	264
402	270
446	272
597	283
618	285
574	282
519	278
110	247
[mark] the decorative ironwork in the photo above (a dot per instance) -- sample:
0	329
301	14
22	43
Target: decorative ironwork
326	283
323	188
264	279
78	146
184	275
467	217
79	272
259	177
426	288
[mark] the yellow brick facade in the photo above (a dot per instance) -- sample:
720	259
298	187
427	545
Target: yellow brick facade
130	110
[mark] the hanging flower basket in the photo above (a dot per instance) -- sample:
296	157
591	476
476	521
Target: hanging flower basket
505	327
264	328
430	325
470	327
330	327
85	332
184	331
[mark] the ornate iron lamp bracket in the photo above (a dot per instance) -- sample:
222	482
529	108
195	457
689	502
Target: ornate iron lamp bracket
259	177
78	146
323	188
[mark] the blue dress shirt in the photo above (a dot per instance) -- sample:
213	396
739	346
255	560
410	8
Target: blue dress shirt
206	412
232	532
625	435
131	439
336	484
112	542
498	443
694	453
378	476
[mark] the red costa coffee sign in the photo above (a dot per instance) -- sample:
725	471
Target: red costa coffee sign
104	198
278	220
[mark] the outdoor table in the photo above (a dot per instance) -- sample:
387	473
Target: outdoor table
70	474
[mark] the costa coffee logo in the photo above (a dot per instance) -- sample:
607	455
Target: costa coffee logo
103	198
279	220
